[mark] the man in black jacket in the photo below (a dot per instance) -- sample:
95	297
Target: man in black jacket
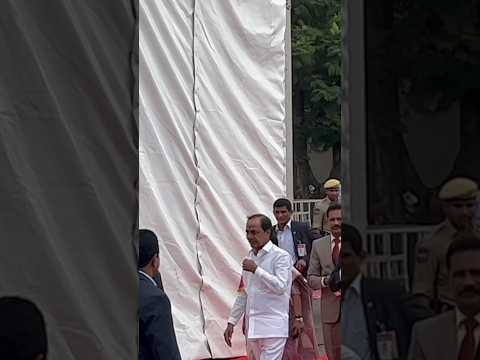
156	333
292	236
375	316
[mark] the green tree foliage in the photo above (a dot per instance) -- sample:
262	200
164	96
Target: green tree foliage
317	76
317	61
436	51
422	58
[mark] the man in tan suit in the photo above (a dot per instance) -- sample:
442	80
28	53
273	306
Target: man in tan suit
324	258
332	190
454	334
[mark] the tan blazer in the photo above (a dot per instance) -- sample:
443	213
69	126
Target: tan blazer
435	338
321	265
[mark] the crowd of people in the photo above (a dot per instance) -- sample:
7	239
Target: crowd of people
361	317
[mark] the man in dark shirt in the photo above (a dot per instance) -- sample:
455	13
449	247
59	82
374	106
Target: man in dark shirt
156	333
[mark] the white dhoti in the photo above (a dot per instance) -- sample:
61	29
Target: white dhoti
266	349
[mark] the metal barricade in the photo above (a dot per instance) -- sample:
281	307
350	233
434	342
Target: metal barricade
303	210
391	251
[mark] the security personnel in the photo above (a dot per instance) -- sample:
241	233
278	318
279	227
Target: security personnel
332	190
430	283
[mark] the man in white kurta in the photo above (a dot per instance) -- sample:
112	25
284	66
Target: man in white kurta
265	294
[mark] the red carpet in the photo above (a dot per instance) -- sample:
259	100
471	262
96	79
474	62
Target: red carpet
246	358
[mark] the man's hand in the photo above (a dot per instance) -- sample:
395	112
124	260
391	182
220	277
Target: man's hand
249	265
301	265
227	335
297	327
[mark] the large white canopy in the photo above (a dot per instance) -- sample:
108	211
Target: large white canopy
212	149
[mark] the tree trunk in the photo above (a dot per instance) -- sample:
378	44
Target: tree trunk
336	170
302	172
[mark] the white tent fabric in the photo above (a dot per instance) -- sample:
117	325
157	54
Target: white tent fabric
212	149
168	170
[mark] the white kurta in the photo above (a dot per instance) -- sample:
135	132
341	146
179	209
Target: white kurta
266	296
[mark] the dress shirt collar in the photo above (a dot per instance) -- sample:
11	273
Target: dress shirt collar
287	226
460	317
148	277
265	249
332	238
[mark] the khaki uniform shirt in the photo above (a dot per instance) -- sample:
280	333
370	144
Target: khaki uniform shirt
319	214
431	273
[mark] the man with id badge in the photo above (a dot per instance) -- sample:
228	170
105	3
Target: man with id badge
374	321
292	236
295	238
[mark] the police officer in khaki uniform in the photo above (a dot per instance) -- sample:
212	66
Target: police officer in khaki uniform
332	190
430	283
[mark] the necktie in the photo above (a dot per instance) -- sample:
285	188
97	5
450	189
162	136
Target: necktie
336	251
467	350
